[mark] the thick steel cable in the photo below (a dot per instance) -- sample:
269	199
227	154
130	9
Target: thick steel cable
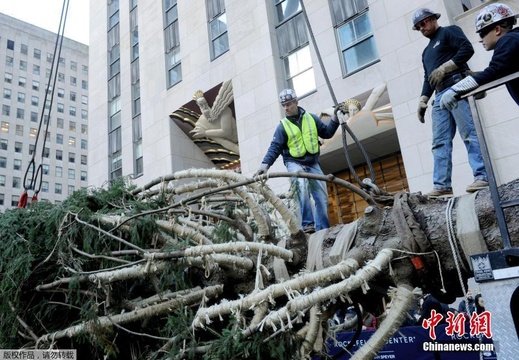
344	126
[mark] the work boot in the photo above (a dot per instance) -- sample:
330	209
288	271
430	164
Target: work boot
309	229
477	185
439	194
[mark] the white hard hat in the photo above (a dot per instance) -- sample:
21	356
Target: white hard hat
492	14
286	96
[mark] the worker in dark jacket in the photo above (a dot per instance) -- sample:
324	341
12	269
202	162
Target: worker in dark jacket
296	139
494	24
445	63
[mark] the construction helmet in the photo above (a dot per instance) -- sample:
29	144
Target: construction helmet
493	14
287	96
421	14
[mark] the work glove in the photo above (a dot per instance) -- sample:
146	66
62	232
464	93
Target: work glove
438	74
339	112
448	100
422	106
262	170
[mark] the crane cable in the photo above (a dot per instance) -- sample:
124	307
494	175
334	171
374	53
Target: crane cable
345	128
37	172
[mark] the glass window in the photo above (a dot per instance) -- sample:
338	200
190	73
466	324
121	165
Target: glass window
84	84
32	133
84	99
72	126
45	186
21	97
24	49
2	196
59	155
7	93
35	100
23	65
37	53
9	61
31	149
59	138
61	77
2	180
10	44
5	127
50	57
72	96
22	81
84	114
46	152
84	129
36	85
71	189
72	111
20	113
17	182
58	172
71	141
83	160
217	27
17	164
71	174
61	93
19	130
3	162
62	61
73	81
8	77
58	189
83	176
73	65
84	144
59	123
18	146
14	200
71	157
36	69
6	110
84	69
45	169
60	108
34	116
3	144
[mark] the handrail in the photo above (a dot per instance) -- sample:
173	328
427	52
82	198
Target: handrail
492	85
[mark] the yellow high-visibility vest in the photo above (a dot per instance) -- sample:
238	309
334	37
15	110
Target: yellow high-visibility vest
302	141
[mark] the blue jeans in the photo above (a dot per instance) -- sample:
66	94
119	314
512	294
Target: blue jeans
315	188
444	129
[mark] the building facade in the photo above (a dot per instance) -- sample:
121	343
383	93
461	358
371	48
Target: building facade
43	137
159	70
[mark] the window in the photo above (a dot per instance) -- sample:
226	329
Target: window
45	186
83	176
46	152
35	101
2	180
58	172
172	43
73	81
6	110
62	61
294	47
71	141
60	108
59	123
20	113
72	111
217	27
50	57
84	84
10	44
71	189
71	174
2	199
3	162
84	99
23	65
61	92
21	97
71	157
57	189
17	182
83	160
34	116
17	164
59	155
84	114
61	77
84	69
7	94
24	49
32	133
8	78
59	138
19	130
84	129
14	200
9	61
45	169
72	126
84	145
18	147
72	96
73	65
22	81
5	127
37	53
36	85
36	69
3	144
354	34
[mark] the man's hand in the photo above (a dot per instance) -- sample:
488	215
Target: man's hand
262	170
448	100
422	106
438	74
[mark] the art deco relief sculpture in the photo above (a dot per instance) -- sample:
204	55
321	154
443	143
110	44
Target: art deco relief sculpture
217	123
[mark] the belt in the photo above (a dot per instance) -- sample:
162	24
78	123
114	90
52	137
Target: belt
449	82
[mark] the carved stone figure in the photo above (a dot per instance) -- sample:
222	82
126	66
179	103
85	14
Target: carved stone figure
217	123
